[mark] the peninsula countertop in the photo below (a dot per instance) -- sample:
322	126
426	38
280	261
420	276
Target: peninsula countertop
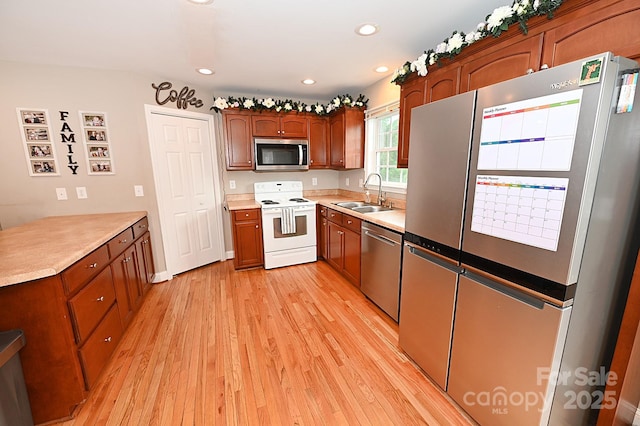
47	246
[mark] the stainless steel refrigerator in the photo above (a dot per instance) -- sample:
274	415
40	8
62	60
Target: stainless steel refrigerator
520	203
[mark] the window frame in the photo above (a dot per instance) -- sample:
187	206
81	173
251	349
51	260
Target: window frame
372	118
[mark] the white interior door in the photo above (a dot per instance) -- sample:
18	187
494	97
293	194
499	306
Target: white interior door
184	173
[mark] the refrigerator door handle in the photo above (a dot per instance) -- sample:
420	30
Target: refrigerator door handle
417	251
528	299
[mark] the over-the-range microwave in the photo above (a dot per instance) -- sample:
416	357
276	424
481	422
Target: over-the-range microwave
281	154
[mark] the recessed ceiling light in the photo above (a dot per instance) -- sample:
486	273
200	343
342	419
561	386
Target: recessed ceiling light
367	29
200	1
205	71
308	81
382	69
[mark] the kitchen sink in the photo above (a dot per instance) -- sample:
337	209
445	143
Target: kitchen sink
362	207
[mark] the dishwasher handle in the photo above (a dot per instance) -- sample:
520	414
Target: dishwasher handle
381	238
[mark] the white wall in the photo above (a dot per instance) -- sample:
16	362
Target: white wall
122	96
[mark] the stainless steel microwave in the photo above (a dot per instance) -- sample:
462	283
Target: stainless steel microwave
281	154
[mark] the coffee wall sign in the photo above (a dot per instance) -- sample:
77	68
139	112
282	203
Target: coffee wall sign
183	98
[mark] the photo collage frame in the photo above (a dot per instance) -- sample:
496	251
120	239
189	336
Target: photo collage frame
96	142
39	148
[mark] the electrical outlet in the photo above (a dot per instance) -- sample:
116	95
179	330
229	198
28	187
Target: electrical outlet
138	190
232	184
314	181
346	181
81	192
61	193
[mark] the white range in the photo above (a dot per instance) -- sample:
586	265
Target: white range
288	223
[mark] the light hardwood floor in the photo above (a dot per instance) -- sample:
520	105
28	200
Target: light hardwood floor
288	346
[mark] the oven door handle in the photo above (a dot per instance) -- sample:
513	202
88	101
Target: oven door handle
299	155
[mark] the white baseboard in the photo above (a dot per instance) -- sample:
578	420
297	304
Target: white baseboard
230	254
159	277
636	419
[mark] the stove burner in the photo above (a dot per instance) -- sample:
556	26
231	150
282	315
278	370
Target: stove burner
298	200
269	202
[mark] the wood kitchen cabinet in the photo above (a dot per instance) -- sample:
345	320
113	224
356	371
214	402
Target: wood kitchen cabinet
318	143
322	231
411	96
247	238
283	125
127	284
343	245
239	141
346	138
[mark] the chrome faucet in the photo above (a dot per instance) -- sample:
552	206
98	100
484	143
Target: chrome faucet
380	200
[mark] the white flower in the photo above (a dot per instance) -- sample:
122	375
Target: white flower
498	16
278	108
536	4
520	8
455	42
319	108
481	26
336	101
268	103
420	65
441	48
308	108
433	58
346	100
248	103
470	37
287	106
221	103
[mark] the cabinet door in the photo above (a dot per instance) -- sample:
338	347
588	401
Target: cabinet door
265	124
411	95
239	142
318	143
294	126
145	261
504	64
334	245
353	138
323	238
247	238
351	261
336	140
614	28
442	83
126	284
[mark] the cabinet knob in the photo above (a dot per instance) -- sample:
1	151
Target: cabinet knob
108	339
92	266
257	226
142	226
311	161
123	241
246	215
349	222
100	299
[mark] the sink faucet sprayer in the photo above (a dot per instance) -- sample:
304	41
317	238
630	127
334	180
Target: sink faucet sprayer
367	198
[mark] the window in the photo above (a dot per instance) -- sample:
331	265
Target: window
382	148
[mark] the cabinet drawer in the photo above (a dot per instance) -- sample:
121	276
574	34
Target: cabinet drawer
140	227
84	269
96	351
91	303
250	214
334	216
322	211
351	222
119	243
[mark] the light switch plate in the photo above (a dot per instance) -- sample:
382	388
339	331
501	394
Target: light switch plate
314	181
232	184
61	193
81	192
138	190
346	181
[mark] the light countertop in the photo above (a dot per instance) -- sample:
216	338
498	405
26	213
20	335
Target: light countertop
47	246
392	219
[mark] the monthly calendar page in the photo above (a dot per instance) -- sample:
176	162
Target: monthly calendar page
526	210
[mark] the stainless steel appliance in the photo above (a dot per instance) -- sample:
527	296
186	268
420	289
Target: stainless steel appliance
281	154
288	223
380	267
520	201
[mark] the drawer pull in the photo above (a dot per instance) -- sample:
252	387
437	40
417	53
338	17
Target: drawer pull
142	226
349	222
246	215
108	339
93	265
145	242
100	299
123	241
126	259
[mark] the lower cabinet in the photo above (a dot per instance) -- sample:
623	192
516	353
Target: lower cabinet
127	284
343	244
247	238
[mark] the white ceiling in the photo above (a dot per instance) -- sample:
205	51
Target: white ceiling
256	47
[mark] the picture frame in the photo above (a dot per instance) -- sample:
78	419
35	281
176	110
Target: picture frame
37	142
97	143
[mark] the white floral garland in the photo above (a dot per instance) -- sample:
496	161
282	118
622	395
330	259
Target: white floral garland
497	22
288	105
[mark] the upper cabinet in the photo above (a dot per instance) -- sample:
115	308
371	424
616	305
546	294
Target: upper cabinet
289	125
580	29
318	142
239	142
346	138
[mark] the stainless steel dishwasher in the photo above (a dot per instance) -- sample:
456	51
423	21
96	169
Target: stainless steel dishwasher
380	267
